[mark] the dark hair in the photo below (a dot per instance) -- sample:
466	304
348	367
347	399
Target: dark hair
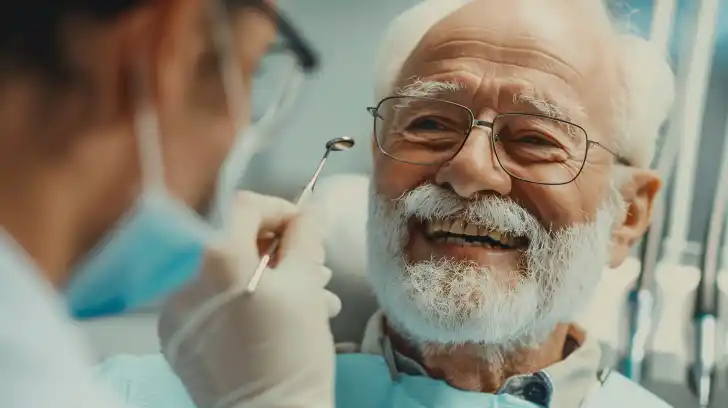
30	37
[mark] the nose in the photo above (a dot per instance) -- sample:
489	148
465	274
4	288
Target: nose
475	169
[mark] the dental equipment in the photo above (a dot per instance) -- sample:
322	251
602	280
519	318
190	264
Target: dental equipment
334	145
692	82
705	315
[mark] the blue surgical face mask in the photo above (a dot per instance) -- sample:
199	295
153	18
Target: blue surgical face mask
160	244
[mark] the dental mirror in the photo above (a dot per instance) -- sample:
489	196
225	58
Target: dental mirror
338	144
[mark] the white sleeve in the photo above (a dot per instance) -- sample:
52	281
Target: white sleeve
43	367
43	360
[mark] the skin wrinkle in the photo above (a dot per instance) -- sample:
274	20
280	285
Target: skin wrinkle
573	113
432	67
565	75
551	64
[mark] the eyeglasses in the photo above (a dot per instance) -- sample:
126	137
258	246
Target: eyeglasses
292	40
530	147
276	82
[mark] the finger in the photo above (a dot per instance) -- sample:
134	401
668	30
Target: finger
253	214
325	276
317	275
303	239
333	303
263	247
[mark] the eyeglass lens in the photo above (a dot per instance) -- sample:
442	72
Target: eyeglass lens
279	71
532	148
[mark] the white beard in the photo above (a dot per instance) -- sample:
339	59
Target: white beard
448	302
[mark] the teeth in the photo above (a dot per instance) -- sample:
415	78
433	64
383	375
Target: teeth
459	227
446	225
471	230
433	226
463	242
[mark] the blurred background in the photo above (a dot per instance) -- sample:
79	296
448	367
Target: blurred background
695	33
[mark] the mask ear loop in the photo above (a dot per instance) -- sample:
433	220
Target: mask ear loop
233	86
234	89
286	97
146	127
250	142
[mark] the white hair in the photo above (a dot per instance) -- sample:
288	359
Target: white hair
642	104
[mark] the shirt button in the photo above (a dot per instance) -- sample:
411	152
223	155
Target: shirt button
536	392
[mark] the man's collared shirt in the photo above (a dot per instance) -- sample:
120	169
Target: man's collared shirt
565	384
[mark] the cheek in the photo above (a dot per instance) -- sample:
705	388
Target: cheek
393	179
193	156
563	205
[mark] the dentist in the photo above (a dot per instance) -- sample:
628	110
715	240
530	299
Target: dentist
120	139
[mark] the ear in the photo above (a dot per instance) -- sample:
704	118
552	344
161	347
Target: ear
638	193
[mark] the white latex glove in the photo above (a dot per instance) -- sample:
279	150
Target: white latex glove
270	349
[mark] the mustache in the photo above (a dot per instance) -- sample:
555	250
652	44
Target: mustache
429	202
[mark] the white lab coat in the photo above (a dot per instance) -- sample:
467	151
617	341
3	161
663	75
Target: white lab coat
43	360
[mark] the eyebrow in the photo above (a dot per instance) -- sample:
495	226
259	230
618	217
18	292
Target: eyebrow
548	106
429	89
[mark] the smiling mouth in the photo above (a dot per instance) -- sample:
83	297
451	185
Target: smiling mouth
458	232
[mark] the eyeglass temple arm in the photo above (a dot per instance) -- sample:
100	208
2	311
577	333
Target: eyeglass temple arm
620	159
308	59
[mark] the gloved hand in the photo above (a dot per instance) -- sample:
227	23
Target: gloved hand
273	348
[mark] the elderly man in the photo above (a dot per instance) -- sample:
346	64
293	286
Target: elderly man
512	141
510	167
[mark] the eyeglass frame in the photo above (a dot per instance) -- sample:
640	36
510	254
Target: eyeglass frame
373	110
306	58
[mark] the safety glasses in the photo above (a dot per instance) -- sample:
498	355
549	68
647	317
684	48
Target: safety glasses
292	41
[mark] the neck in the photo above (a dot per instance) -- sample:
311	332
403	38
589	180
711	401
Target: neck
38	216
58	214
483	368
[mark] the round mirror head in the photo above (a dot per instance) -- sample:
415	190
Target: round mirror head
340	143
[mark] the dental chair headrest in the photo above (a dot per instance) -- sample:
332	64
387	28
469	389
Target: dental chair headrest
341	201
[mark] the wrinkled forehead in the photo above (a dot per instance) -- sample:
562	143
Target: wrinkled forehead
559	48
